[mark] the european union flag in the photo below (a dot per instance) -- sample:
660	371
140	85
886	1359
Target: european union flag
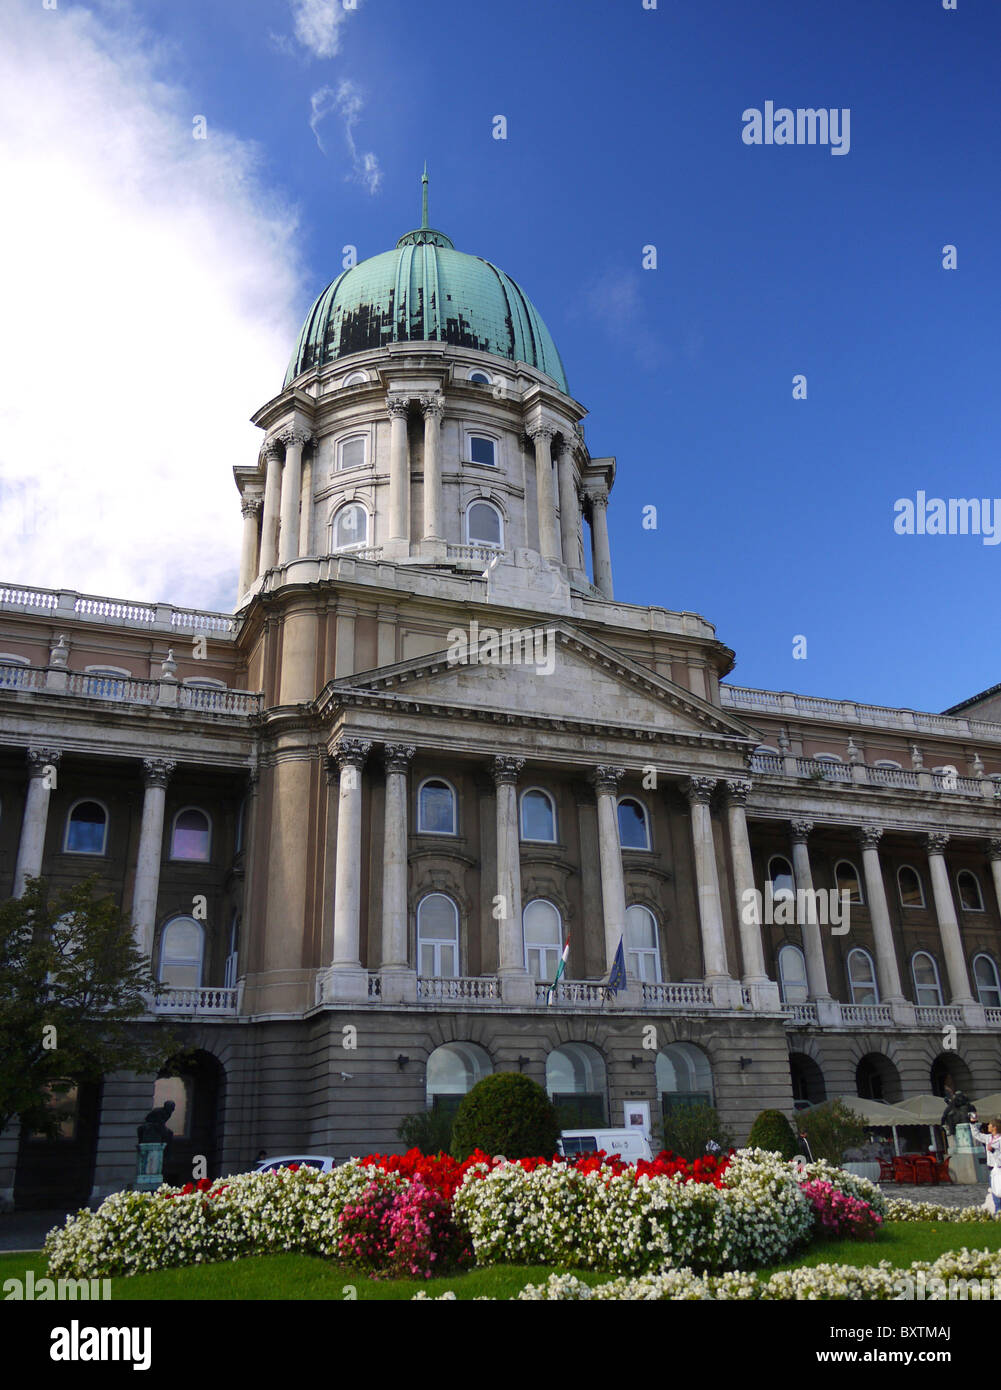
617	974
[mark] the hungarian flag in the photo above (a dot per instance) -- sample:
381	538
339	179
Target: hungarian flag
560	972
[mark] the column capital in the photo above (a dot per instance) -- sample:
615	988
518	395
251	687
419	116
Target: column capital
566	444
505	770
432	407
157	771
994	849
699	790
738	791
351	752
41	758
251	506
542	431
800	831
936	841
396	756
606	778
397	407
274	447
870	836
292	436
598	498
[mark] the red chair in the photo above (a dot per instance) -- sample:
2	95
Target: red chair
942	1169
885	1170
924	1170
903	1170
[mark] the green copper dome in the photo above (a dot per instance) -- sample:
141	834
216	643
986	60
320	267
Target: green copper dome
424	291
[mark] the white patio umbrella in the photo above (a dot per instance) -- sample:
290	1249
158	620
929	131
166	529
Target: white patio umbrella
877	1114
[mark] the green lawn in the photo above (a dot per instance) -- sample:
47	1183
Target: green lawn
285	1277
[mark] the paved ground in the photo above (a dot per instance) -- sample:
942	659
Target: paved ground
26	1230
943	1194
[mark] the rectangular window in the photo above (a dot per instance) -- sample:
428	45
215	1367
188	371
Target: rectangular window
481	450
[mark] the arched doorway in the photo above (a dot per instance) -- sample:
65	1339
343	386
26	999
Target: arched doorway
807	1081
684	1077
195	1082
950	1072
876	1078
59	1172
576	1083
452	1071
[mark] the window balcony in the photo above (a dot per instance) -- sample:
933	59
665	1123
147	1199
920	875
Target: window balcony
204	1002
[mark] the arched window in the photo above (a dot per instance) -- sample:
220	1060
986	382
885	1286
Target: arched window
106	682
437	937
482	449
684	1076
985	973
946	778
887	762
846	877
634	830
181	949
351	452
436	808
484	524
576	1082
452	1072
780	876
480	377
862	977
912	894
970	897
355	379
927	989
14	670
86	828
538	816
792	975
642	949
827	758
191	836
543	928
349	527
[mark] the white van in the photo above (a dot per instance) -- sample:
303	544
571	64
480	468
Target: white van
629	1144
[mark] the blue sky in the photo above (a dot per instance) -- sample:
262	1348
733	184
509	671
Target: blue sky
775	515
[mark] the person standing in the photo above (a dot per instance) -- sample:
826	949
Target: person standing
992	1142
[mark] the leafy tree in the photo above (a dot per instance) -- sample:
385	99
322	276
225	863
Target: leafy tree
429	1130
831	1128
72	986
689	1130
508	1114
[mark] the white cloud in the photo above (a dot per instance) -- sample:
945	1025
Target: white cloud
318	25
348	102
616	299
148	283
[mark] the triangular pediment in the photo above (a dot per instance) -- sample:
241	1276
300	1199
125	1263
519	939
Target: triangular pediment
557	673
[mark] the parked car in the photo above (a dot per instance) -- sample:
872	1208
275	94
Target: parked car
629	1144
323	1162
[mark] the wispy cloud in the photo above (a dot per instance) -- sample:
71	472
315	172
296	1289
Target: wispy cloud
348	103
616	299
318	25
148	284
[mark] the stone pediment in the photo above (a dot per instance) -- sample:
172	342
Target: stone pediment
555	673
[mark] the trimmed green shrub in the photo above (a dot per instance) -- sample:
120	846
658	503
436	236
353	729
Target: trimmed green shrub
772	1131
688	1131
831	1128
508	1114
429	1130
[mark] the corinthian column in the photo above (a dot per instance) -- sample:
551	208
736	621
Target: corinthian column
606	781
569	509
399	469
994	849
879	914
396	759
432	408
156	775
698	791
948	925
545	486
272	499
349	755
251	509
288	540
511	940
601	554
42	770
748	915
813	946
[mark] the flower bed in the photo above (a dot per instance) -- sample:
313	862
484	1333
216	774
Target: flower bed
715	1215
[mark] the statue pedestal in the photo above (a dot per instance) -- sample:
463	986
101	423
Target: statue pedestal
149	1167
967	1160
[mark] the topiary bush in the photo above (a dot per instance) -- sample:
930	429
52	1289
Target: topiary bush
689	1130
773	1132
508	1114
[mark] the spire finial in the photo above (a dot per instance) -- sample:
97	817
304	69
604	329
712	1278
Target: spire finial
424	197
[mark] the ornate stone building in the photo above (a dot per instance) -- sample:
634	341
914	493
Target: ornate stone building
355	823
